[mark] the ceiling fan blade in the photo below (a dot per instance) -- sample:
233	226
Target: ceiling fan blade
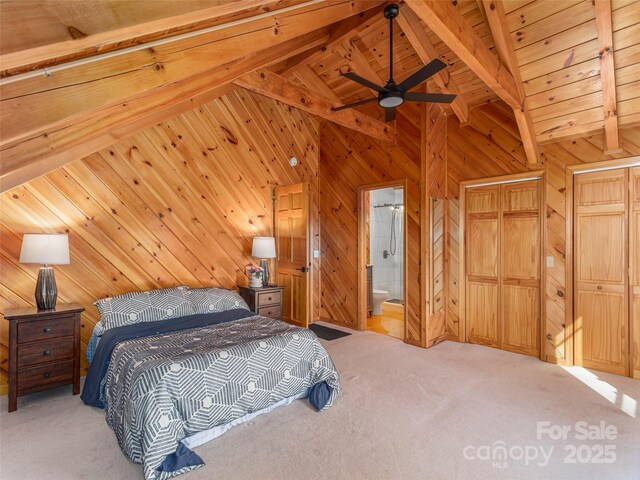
429	97
354	104
389	114
421	75
362	81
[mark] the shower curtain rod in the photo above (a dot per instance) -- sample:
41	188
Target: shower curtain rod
389	205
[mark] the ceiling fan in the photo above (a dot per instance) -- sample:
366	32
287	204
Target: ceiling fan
393	95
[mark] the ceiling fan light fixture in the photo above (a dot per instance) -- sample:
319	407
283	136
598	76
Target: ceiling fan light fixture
393	95
391	100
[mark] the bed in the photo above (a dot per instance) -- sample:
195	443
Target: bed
175	376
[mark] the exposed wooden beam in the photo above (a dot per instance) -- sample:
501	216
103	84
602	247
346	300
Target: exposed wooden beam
340	32
447	23
608	75
34	103
46	56
351	54
497	20
279	88
307	76
420	42
481	9
32	156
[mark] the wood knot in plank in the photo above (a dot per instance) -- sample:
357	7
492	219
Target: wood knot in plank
75	32
231	138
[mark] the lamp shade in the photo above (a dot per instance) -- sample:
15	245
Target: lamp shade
264	247
45	248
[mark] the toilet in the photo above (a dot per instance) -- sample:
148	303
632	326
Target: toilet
379	297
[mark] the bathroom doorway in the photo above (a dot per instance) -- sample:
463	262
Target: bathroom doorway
382	258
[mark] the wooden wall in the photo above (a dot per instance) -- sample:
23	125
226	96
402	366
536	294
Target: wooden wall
452	267
178	203
349	160
492	148
438	258
434	153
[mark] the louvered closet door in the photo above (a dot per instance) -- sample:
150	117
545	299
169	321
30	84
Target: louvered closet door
634	260
601	305
502	263
481	257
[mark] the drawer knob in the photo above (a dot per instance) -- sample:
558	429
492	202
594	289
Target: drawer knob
599	287
269	312
269	298
46	329
46	374
46	353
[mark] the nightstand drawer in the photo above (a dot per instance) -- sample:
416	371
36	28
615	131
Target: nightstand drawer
44	349
48	351
273	311
38	376
269	298
44	329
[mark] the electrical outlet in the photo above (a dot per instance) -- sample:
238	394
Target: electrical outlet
549	261
316	254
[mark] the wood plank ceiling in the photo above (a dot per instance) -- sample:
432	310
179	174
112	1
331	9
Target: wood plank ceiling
367	53
69	119
560	60
573	64
26	24
63	111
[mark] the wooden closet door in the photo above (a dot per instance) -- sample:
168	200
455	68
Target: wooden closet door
634	262
600	287
520	279
482	269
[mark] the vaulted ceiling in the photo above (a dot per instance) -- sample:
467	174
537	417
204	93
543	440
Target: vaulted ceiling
78	75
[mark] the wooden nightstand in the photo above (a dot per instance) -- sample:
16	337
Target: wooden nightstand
266	301
44	349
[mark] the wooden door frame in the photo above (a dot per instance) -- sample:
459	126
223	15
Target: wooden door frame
570	173
310	231
538	175
362	271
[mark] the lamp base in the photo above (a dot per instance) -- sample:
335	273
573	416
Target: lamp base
264	264
46	290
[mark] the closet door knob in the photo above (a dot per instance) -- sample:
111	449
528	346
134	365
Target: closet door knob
46	353
46	329
46	374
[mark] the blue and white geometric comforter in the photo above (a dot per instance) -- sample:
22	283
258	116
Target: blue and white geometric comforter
163	388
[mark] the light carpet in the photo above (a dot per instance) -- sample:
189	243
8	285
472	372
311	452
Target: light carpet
404	412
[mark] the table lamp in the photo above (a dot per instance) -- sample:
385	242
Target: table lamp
263	248
46	249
